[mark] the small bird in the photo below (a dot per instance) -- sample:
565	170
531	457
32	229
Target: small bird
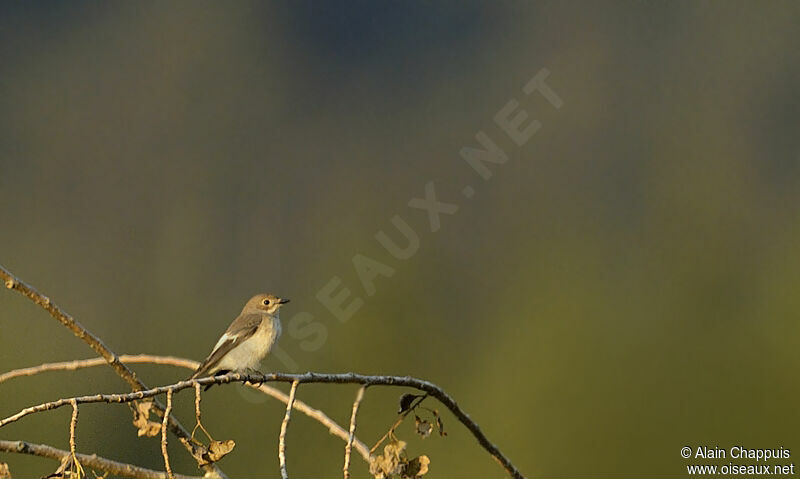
248	339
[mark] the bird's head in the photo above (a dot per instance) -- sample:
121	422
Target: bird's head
267	303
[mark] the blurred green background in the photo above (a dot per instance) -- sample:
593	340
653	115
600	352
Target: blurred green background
625	285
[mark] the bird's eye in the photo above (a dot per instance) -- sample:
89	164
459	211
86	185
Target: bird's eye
266	302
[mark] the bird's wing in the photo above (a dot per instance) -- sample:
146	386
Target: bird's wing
240	330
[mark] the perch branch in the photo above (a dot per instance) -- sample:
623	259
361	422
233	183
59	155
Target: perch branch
284	428
299	405
14	283
310	377
348	447
92	461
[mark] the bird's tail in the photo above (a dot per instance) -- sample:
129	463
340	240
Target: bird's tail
204	370
201	371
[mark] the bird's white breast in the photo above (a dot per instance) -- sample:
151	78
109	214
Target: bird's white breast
249	353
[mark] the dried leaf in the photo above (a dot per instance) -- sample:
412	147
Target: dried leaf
405	402
391	463
439	423
219	449
143	407
141	419
200	452
148	428
4	472
423	427
417	467
213	452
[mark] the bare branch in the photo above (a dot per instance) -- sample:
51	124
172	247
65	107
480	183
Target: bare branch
164	451
348	447
310	377
76	364
14	283
284	427
92	461
299	405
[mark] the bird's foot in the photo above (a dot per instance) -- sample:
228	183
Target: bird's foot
221	372
256	372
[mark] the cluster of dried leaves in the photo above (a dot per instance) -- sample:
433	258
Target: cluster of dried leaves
205	454
394	462
424	427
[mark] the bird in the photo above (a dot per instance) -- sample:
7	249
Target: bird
247	340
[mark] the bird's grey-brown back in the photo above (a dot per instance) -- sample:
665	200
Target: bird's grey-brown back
248	339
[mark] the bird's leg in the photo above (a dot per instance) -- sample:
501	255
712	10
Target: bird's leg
221	372
255	372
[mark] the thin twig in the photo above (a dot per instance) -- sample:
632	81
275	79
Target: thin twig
284	427
318	416
73	424
310	377
198	422
164	451
91	461
299	405
348	447
197	399
14	283
400	418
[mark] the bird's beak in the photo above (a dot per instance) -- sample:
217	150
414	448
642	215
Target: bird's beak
283	301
